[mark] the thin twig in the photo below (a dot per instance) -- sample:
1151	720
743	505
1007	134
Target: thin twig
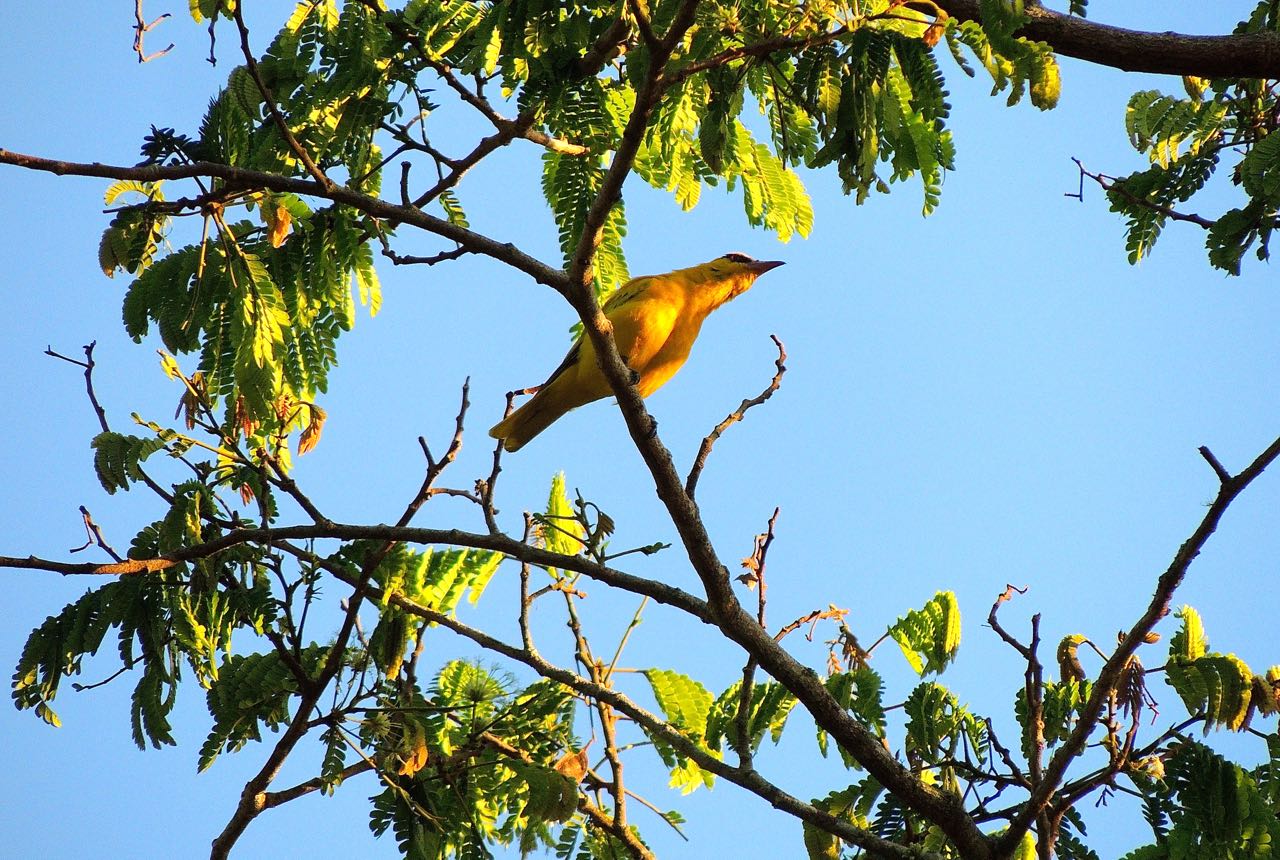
140	30
704	450
814	616
283	126
1218	469
1112	185
95	536
755	564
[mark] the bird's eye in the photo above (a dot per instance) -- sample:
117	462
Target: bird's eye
736	257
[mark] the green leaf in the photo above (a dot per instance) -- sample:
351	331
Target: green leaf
251	692
684	701
937	725
1219	810
560	531
56	648
771	704
930	636
118	458
1189	643
1218	686
1060	705
861	693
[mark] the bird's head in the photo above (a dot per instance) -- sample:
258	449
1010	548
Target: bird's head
737	263
727	277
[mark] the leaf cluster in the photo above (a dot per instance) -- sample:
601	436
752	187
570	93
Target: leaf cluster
1186	139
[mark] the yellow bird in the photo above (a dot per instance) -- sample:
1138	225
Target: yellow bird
656	319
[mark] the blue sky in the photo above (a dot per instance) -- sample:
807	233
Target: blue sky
990	395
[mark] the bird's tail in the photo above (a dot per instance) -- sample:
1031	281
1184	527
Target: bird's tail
526	422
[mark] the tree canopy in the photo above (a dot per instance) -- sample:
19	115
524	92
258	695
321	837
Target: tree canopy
250	245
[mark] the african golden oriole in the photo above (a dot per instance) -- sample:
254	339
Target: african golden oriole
656	319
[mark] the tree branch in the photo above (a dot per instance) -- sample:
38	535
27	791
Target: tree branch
1112	672
273	799
658	591
1111	184
140	30
729	615
749	779
1246	55
946	810
305	157
504	252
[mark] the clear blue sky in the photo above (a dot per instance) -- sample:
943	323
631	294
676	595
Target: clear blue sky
986	396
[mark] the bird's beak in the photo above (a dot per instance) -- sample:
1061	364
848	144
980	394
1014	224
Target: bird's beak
762	266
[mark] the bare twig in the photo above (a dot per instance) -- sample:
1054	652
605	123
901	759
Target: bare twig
755	565
994	623
140	30
95	536
273	799
88	364
626	634
1112	185
814	616
1218	469
704	450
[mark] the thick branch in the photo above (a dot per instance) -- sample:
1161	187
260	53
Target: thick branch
946	810
1250	55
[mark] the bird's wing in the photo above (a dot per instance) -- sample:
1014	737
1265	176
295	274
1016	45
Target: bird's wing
614	308
570	359
644	318
626	293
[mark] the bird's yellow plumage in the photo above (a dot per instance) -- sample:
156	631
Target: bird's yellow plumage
655	320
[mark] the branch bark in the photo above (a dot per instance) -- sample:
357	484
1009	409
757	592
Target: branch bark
1246	55
944	809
